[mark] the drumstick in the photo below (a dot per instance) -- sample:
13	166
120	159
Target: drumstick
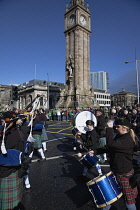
82	154
79	154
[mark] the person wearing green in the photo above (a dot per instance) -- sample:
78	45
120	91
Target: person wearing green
50	115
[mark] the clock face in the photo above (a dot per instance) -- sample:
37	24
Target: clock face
72	20
83	20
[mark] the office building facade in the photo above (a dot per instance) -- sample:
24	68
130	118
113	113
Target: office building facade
100	80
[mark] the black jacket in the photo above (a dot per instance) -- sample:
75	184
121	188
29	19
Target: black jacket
120	150
100	129
14	139
90	140
43	118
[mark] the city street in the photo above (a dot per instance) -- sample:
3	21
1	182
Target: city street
54	182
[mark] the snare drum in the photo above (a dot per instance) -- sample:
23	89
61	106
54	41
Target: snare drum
89	161
105	190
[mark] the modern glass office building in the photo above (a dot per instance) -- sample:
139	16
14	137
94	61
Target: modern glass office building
100	80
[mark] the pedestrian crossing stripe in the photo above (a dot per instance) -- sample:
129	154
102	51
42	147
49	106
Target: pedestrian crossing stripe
63	156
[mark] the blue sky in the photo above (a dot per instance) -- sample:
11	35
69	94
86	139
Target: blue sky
32	34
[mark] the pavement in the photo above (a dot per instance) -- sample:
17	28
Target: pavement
55	183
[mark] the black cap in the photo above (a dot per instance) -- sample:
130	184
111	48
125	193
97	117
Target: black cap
124	122
89	122
9	115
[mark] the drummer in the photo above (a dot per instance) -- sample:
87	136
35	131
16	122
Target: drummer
120	149
90	141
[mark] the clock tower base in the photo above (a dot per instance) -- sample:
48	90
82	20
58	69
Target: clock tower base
75	98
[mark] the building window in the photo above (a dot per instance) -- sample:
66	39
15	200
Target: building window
41	101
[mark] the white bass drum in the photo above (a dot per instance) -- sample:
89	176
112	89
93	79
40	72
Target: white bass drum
81	118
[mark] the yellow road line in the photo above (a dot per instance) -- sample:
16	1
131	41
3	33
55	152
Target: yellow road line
53	128
64	129
54	124
51	132
58	123
58	127
67	128
68	134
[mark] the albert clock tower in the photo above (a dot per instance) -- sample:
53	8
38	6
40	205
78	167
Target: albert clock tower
77	92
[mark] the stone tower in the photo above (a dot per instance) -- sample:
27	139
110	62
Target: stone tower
77	92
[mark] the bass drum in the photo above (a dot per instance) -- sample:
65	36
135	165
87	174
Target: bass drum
81	118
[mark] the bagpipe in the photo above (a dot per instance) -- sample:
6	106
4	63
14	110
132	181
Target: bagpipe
33	105
13	157
16	158
8	119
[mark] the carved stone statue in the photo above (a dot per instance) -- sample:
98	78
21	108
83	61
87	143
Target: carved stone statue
72	2
92	90
67	7
62	92
70	65
87	7
82	2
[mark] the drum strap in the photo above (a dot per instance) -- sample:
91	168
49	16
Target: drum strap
126	175
123	176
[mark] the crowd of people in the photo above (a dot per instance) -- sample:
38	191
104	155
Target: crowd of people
132	113
115	137
20	135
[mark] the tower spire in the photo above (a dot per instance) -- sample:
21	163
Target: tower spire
77	91
74	2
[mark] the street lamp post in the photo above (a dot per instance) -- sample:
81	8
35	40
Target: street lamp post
48	90
137	76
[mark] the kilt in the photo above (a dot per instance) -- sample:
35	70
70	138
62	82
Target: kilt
11	189
44	136
129	193
38	142
102	141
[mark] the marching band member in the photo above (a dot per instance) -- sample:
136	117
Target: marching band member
90	142
44	137
11	185
120	149
37	132
100	129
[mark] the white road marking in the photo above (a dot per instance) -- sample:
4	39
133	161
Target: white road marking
62	156
51	158
55	139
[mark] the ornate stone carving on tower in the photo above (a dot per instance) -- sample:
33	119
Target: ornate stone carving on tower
77	32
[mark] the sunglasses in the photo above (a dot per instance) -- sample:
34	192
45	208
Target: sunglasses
117	126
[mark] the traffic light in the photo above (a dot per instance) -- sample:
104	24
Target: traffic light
14	95
75	104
